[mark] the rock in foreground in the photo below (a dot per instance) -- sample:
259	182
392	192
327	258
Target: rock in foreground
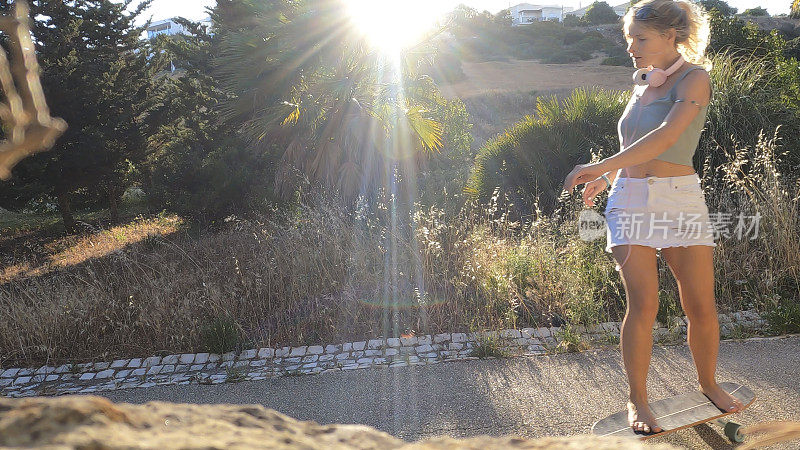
89	421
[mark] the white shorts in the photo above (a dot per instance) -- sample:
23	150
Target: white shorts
658	212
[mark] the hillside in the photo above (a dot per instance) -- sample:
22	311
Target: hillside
528	75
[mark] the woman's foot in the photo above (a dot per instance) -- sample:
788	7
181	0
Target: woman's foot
721	398
641	418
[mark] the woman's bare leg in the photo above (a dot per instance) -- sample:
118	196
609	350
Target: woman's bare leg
640	278
693	269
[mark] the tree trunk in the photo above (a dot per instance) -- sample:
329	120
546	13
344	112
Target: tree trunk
66	211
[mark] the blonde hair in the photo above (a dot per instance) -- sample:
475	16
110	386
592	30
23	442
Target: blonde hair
690	21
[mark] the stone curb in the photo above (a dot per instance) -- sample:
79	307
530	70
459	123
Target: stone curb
263	363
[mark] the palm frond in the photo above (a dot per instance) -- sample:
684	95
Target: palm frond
427	132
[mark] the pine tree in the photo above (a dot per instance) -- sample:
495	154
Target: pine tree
99	76
197	165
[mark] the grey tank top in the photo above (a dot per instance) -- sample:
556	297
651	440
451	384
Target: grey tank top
638	120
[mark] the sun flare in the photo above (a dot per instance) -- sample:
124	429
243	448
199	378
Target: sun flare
392	26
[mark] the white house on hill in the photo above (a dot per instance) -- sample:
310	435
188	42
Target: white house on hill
525	13
168	27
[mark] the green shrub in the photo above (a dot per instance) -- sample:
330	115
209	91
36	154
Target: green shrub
590	44
538	40
734	35
571	20
219	335
594	34
792	49
531	158
448	169
572	36
616	51
617	61
758	11
555	29
563	58
750	94
546	46
599	13
719	6
206	185
784	317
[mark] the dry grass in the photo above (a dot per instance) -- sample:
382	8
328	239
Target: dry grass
763	270
314	275
526	75
47	253
492	113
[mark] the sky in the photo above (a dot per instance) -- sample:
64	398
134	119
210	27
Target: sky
194	9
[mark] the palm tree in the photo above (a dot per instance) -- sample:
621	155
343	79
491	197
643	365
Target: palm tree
307	84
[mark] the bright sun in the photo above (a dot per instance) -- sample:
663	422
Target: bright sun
393	25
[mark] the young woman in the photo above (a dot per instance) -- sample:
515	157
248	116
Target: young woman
651	205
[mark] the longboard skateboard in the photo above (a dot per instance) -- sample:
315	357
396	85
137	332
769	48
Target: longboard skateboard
679	412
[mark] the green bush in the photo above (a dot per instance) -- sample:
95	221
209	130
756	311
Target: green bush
599	13
617	61
792	49
448	169
734	35
573	36
784	317
531	158
720	6
750	94
538	40
590	44
594	34
758	11
563	58
571	20
206	185
545	48
617	56
554	29
219	335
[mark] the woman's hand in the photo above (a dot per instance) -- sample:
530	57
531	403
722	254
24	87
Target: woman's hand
583	173
591	190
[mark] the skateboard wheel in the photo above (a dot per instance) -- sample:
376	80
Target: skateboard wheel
733	433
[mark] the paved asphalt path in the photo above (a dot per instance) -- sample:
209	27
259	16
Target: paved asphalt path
530	396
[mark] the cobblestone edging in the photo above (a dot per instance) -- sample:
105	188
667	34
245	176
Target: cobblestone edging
260	364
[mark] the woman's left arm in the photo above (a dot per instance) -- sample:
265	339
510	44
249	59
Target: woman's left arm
692	93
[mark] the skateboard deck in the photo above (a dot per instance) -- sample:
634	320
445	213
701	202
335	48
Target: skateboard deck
677	413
